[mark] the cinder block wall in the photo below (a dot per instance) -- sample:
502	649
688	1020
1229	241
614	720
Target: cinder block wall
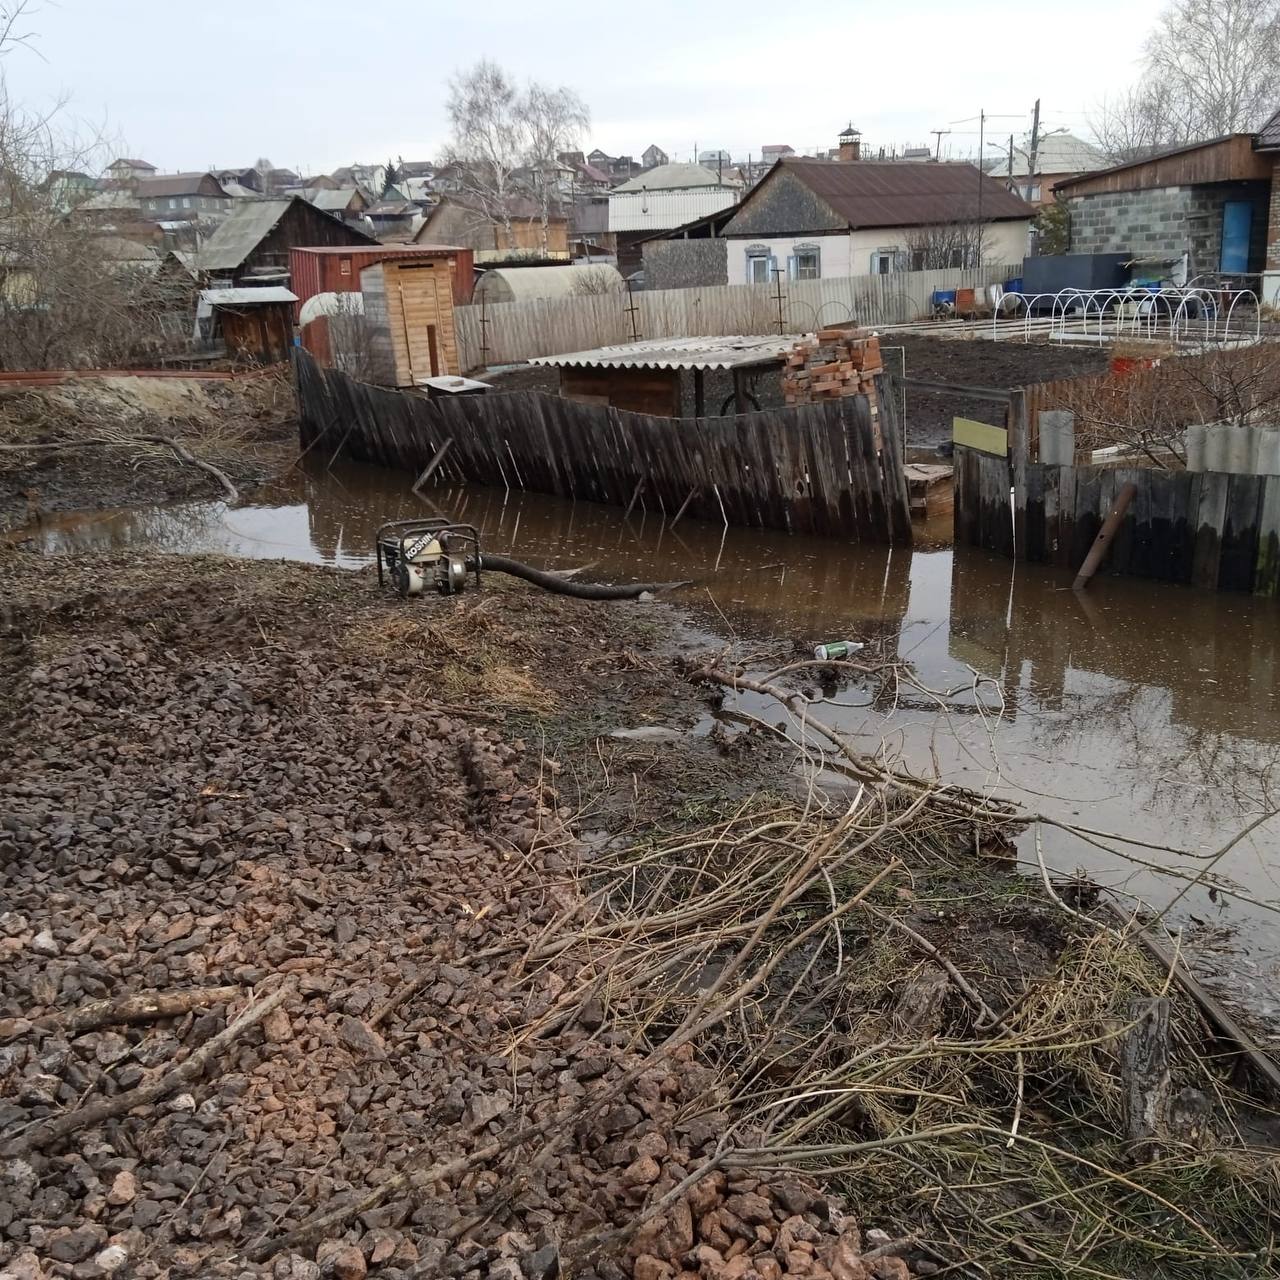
1273	222
1165	221
684	264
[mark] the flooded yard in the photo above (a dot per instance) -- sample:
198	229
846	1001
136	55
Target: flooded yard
1137	708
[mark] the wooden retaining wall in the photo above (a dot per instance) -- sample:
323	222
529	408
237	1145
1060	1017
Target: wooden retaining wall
808	469
1207	529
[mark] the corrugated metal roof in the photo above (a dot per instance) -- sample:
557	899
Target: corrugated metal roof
247	297
873	193
673	177
679	353
374	253
1058	153
175	184
331	201
241	233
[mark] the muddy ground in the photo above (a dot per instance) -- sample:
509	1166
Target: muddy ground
999	365
246	428
259	780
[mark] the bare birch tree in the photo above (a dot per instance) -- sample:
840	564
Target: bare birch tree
1209	67
505	139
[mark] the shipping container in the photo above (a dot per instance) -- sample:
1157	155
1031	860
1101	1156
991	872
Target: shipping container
337	269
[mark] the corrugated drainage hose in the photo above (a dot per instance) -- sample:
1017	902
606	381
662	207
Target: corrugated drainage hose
568	586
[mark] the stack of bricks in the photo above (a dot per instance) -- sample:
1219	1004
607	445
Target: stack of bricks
841	362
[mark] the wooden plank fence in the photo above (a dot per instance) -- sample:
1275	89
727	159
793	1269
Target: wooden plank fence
1205	529
808	469
508	332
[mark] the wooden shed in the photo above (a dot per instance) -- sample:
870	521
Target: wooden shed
256	324
408	309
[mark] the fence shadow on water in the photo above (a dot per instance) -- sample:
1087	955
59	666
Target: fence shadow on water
818	469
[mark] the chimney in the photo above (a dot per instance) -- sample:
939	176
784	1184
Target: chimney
850	143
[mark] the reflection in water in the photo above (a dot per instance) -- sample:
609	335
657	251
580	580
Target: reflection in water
1138	707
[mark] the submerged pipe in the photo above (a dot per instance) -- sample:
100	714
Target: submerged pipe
567	586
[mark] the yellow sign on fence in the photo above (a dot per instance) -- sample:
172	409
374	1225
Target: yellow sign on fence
980	435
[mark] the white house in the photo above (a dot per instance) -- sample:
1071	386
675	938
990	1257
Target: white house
810	219
668	196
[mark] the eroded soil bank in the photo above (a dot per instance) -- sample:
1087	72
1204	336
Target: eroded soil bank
537	996
77	445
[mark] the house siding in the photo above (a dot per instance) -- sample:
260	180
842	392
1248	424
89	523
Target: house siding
651	211
849	253
1167	221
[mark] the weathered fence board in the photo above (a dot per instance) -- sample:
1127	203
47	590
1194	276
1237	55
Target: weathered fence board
810	469
1209	529
507	332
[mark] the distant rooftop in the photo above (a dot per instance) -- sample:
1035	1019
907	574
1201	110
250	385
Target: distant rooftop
672	177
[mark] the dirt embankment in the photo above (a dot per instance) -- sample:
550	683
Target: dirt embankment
544	997
76	444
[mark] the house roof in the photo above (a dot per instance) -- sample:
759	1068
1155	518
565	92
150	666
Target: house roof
245	229
1269	134
871	193
250	297
1156	153
679	353
331	201
1057	153
592	173
672	177
132	164
520	208
172	184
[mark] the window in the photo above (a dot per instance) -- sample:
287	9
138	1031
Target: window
173	203
186	202
882	261
760	264
805	263
344	266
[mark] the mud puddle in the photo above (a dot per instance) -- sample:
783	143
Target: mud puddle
1139	708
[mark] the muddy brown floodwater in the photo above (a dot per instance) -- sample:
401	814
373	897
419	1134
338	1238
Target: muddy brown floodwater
1138	708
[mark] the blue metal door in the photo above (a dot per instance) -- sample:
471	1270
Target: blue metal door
1237	223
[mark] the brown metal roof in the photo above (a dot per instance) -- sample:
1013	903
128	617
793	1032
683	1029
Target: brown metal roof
176	184
873	193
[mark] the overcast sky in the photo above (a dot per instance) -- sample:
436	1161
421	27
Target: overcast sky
314	84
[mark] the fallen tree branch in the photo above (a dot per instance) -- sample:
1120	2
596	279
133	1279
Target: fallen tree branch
68	1122
143	1006
180	451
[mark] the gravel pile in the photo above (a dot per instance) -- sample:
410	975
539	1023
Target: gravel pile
194	805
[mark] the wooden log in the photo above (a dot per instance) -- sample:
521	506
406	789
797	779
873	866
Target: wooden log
142	1006
436	460
1144	1070
1106	534
52	1130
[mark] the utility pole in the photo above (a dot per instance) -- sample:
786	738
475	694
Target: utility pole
1011	155
939	134
982	178
1035	149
